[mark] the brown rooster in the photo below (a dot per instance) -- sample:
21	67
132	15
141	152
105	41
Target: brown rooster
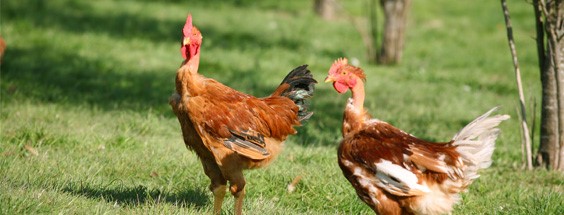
231	131
396	173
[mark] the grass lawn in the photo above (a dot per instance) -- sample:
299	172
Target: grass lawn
86	127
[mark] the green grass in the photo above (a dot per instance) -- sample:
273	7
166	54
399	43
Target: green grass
86	83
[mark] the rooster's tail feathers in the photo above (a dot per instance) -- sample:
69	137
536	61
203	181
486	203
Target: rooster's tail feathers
476	141
298	85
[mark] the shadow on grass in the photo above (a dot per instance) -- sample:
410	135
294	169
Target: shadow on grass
59	76
80	17
54	73
135	196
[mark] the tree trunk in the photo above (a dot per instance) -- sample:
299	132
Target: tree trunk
556	50
372	34
551	149
327	9
549	119
395	20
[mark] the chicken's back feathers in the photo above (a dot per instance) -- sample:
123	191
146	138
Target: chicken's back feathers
380	142
233	117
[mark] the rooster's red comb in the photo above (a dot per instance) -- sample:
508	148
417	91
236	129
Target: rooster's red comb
341	61
188	26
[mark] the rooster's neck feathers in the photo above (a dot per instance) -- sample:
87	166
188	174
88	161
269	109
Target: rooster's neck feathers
188	81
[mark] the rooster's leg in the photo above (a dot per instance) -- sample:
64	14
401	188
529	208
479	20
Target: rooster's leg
239	202
218	196
237	188
218	185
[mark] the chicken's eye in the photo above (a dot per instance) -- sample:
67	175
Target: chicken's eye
344	73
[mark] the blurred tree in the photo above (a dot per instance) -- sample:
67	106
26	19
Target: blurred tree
390	49
325	8
549	15
393	34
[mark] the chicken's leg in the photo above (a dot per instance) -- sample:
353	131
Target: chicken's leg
218	185
218	196
239	202
237	188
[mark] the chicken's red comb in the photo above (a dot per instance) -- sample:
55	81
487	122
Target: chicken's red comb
188	26
341	61
337	65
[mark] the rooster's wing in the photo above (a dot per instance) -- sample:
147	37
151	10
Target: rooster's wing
241	121
396	160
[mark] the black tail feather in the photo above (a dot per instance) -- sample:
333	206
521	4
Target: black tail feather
302	85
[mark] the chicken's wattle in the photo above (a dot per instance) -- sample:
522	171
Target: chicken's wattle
193	50
340	87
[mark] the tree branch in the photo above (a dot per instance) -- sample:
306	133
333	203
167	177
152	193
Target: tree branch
526	140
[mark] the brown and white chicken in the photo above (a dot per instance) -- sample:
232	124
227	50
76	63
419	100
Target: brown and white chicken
396	173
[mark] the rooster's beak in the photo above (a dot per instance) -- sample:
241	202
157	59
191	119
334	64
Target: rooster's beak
329	79
186	41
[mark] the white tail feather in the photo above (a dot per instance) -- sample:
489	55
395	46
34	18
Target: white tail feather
476	141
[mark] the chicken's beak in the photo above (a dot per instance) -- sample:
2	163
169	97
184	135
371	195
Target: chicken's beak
329	79
186	41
